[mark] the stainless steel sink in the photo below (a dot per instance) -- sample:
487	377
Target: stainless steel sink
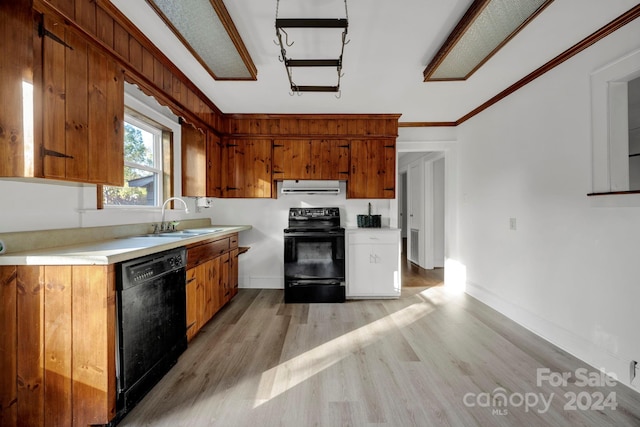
181	234
203	230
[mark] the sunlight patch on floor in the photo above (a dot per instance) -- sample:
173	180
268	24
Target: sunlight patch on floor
439	295
293	372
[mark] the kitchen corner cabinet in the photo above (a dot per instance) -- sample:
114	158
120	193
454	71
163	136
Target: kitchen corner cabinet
201	155
310	159
372	173
81	94
214	158
193	145
246	168
373	263
212	277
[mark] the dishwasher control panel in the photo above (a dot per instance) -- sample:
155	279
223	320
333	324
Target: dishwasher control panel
147	268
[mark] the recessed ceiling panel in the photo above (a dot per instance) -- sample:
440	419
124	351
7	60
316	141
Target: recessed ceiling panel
485	28
206	29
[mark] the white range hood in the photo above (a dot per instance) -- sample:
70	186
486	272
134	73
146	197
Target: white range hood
310	186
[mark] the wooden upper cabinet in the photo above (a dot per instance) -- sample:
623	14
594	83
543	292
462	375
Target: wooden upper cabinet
194	161
82	99
78	102
16	50
214	165
292	159
310	159
333	159
372	173
246	168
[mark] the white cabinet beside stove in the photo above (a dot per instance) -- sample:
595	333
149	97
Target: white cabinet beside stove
373	263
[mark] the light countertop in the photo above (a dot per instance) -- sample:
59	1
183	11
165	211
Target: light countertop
115	250
371	229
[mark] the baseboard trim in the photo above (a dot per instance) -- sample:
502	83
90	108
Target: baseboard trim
257	282
590	353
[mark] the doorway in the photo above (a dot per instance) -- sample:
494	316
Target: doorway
421	205
445	152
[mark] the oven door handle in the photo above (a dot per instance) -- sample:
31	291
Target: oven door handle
314	234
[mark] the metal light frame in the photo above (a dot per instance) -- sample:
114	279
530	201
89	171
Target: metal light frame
282	24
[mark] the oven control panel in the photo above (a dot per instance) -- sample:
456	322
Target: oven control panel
314	212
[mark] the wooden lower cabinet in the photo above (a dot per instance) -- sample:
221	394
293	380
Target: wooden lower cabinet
57	345
212	280
58	334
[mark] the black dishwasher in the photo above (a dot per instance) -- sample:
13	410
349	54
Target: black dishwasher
151	326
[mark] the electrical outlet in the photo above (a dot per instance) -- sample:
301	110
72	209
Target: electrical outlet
512	223
633	370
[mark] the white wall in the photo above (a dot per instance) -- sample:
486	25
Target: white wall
263	265
569	270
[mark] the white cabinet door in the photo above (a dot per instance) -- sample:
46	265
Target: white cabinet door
374	264
361	276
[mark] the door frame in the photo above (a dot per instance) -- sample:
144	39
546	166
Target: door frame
449	150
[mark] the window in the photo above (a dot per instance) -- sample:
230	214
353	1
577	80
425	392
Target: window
143	171
614	114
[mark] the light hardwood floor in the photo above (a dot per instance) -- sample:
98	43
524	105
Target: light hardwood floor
414	275
421	360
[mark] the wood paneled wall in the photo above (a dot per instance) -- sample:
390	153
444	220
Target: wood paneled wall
57	345
313	125
8	348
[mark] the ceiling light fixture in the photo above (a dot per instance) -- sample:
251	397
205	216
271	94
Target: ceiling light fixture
316	51
483	30
207	31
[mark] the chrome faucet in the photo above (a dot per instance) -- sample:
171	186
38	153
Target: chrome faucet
164	205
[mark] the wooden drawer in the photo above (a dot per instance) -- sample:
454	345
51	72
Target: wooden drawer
233	241
199	254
